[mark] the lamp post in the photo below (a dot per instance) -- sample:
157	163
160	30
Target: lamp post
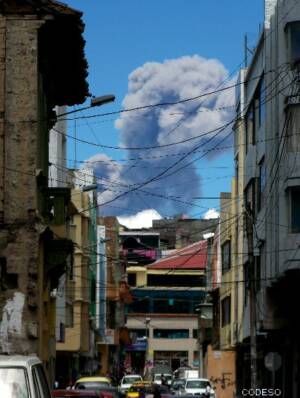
95	101
204	311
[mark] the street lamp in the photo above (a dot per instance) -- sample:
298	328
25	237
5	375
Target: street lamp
204	311
87	188
95	101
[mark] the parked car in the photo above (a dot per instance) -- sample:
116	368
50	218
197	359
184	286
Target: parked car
76	393
127	382
168	377
23	377
97	383
196	387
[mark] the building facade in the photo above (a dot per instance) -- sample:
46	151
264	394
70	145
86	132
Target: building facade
162	318
36	75
269	329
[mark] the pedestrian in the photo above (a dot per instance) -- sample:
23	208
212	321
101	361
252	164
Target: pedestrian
163	380
207	391
56	385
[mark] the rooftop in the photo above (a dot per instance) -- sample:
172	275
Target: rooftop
190	257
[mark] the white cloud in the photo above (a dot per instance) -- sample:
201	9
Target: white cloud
142	219
211	213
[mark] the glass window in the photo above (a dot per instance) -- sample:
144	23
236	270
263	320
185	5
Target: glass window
295	210
131	379
226	256
171	334
262	102
13	383
261	184
250	196
293	30
132	279
39	373
250	126
226	309
197	384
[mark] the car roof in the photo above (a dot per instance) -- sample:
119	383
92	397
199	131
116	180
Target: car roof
132	376
74	393
196	378
93	379
19	360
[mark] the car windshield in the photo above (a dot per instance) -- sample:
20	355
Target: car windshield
131	379
91	385
13	383
177	383
197	384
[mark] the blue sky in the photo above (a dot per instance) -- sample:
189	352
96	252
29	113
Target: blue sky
124	35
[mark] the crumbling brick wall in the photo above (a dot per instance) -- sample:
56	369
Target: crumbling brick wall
19	234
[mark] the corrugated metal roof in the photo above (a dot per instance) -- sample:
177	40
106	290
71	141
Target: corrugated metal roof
190	257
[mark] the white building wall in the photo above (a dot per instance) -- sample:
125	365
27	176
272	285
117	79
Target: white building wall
58	151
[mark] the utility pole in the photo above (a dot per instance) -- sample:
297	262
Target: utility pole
252	304
200	348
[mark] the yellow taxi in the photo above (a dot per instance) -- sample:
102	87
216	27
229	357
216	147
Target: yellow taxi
92	382
140	389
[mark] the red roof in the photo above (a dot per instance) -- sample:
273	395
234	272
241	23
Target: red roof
190	257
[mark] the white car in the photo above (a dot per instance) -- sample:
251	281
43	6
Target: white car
168	377
22	377
197	387
127	382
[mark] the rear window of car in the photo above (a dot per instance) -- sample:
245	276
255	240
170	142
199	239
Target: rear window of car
197	384
13	383
131	380
91	385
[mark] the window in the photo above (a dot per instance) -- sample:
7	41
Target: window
132	279
13	382
171	334
295	209
250	196
195	333
171	306
226	256
138	333
250	126
226	309
293	42
255	115
39	373
261	184
176	280
262	102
